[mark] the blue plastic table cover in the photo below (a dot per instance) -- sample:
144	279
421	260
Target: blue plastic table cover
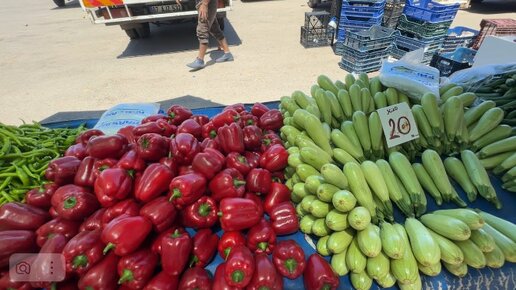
487	278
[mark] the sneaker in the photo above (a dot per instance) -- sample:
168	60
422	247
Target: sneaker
196	64
226	57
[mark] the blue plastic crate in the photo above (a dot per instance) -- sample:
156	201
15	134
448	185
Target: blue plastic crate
423	28
357	23
459	36
363	8
376	37
430	11
358	68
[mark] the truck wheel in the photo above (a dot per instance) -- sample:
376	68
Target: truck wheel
132	33
59	3
221	22
140	31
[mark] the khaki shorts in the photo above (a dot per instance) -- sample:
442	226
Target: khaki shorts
210	25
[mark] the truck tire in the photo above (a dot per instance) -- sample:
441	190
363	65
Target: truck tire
132	33
144	30
60	3
136	32
221	22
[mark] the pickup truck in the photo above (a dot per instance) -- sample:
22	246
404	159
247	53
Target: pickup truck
135	16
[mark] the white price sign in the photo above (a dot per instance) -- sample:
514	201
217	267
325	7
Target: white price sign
398	124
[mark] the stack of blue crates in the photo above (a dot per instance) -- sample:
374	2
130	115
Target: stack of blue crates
424	24
364	50
358	15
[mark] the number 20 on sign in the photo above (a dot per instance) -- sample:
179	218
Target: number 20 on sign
398	124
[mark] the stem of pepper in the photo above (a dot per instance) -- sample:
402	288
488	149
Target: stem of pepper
226	252
326	287
238	182
108	247
263	288
127	276
263	246
193	261
237	276
70	202
204	209
291	265
80	261
176	193
176	234
213	134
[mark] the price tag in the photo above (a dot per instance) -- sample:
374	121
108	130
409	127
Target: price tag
398	124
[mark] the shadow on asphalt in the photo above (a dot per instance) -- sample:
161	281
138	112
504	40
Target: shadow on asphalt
69	4
493	7
171	38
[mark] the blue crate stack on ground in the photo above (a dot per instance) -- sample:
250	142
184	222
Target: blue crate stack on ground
315	32
364	50
358	15
423	24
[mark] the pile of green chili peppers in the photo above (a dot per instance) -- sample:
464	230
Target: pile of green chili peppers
25	152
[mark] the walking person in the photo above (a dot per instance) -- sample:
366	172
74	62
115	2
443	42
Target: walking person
207	24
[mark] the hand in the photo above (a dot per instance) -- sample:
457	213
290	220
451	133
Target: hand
203	12
178	2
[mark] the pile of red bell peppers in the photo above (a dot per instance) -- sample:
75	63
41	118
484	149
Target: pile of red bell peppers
117	208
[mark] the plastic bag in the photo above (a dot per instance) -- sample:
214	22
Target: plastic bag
472	79
123	115
410	76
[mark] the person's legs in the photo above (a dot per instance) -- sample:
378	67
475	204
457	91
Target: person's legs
203	34
218	34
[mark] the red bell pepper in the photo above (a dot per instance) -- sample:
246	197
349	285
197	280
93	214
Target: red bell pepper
271	120
228	240
184	147
219	279
278	177
83	251
319	274
154	118
204	248
247	119
257	199
210	143
85	175
94	221
186	169
259	109
289	259
253	158
154	181
152	147
125	234
13	242
103	164
160	212
53	213
261	238
136	269
275	158
131	161
40	196
171	163
208	163
175	252
58	225
77	150
73	202
40	265
284	219
20	216
200	119
102	276
158	241
125	207
239	107
259	181
200	214
239	162
269	140
225	118
278	193
128	133
252	137
8	284
195	279
208	131
240	267
265	275
238	214
167	128
186	189
163	281
231	138
146	128
102	147
178	114
85	136
190	126
113	185
62	170
227	183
